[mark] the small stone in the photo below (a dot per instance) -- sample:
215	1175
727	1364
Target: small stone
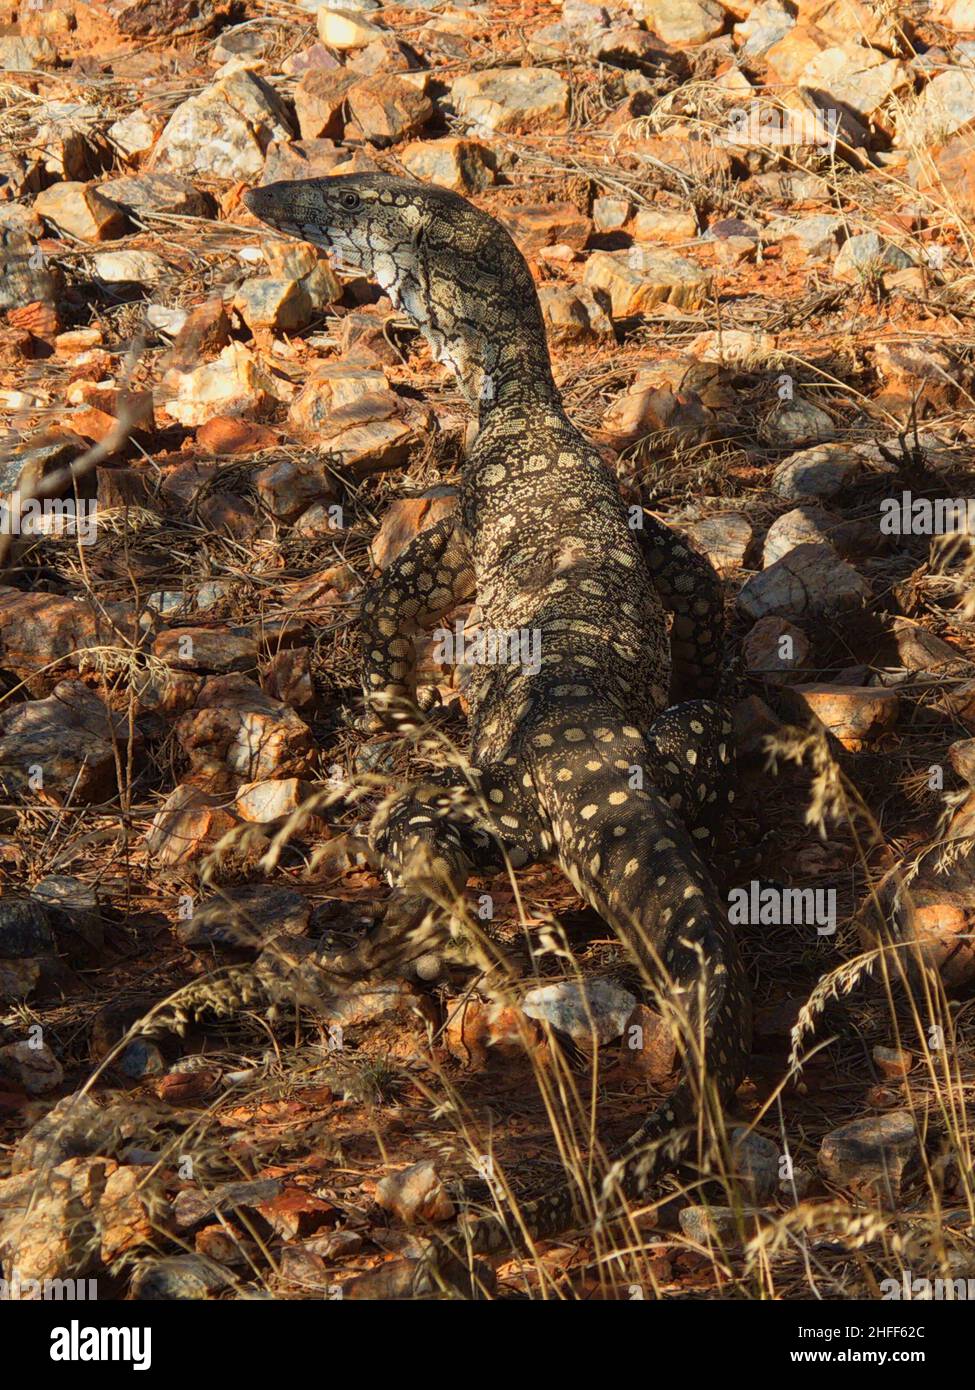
651	224
682	21
295	1214
574	314
236	723
275	799
827	469
757	1164
810	581
25	929
961	755
637	280
852	714
140	1059
733	347
870	1156
798	421
344	30
188	824
388	109
866	256
224	131
24	53
582	1010
320	102
713	1225
235	384
415	1194
274	305
892	1062
512	100
945	106
62	748
129	267
81	211
466	166
725	540
815	236
647	1048
206	649
610	214
404	519
546	224
287	487
32	1066
776	650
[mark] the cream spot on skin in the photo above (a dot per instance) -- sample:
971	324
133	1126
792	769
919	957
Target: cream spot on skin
589	811
617	798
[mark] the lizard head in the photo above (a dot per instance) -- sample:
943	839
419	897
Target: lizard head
447	265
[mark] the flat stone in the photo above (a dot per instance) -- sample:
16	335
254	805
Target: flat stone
854	714
776	650
637	280
274	305
415	1194
870	1156
81	211
235	384
512	100
275	799
682	21
344	30
145	195
466	166
61	748
234	722
581	1009
724	539
809	582
574	314
867	255
206	649
827	469
388	109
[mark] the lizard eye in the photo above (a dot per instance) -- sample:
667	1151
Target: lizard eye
350	201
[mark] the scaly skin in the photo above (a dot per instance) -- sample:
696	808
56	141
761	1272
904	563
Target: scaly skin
544	542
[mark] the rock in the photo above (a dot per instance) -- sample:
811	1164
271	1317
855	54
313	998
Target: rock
733	347
134	134
25	929
404	519
224	131
610	214
144	195
388	109
574	314
647	1048
892	1062
757	1164
24	53
287	487
724	539
245	918
546	224
797	421
961	755
786	58
236	723
19	978
853	714
651	412
296	1214
188	824
827	469
274	305
350	411
49	1226
125	1213
637	280
141	1058
81	211
474	1029
235	384
870	1156
63	748
816	236
343	30
775	650
205	331
287	676
73	908
206	649
512	100
682	21
76	1127
809	582
855	82
275	799
466	166
945	106
25	277
951	165
177	1277
714	1225
34	1067
803	525
225	435
581	1009
129	267
320	98
301	159
415	1194
765	24
866	256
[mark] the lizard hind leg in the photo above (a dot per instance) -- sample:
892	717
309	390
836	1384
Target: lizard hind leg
694	766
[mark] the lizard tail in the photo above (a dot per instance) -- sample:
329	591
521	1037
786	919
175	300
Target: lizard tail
632	858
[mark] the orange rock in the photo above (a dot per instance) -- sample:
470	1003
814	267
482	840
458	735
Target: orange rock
226	435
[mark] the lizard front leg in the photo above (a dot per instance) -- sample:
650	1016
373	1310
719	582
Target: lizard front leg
431	576
690	589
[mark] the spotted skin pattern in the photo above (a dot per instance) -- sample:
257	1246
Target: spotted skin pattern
583	761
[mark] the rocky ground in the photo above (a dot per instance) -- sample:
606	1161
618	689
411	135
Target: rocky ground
751	227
